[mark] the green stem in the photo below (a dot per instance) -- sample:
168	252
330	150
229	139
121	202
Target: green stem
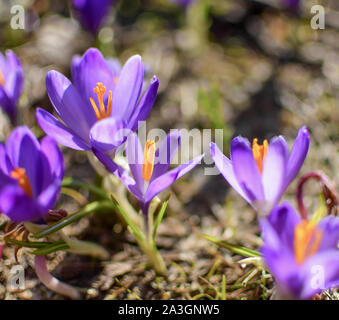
144	240
153	256
152	208
85	248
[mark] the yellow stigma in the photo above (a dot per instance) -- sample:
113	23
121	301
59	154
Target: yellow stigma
259	153
2	79
307	240
20	175
148	162
101	112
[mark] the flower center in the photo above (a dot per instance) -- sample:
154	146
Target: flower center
2	79
307	240
20	175
102	112
259	153
148	162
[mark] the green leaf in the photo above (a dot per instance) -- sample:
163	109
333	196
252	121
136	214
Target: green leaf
56	246
135	230
160	217
243	251
92	207
73	183
28	244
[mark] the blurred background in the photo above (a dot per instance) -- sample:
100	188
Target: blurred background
254	68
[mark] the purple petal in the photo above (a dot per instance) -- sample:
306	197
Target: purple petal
145	105
245	169
17	205
135	154
114	65
75	70
3	65
15	142
283	220
165	153
282	265
6	103
108	134
5	163
225	167
298	154
274	171
119	172
63	135
167	179
70	107
14	79
320	272
277	254
330	230
24	150
87	72
5	181
54	157
48	198
128	88
92	12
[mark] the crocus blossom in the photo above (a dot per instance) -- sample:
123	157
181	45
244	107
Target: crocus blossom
261	173
91	13
11	83
100	105
30	176
149	173
302	255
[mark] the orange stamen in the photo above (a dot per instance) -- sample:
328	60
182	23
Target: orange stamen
20	175
2	79
115	80
307	240
148	162
259	153
109	104
101	112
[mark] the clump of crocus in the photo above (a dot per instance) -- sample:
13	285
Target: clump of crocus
99	105
91	13
261	173
11	83
302	254
30	176
148	175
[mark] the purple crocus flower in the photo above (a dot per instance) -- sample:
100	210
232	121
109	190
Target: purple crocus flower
91	13
11	83
302	255
93	116
30	175
261	174
149	168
